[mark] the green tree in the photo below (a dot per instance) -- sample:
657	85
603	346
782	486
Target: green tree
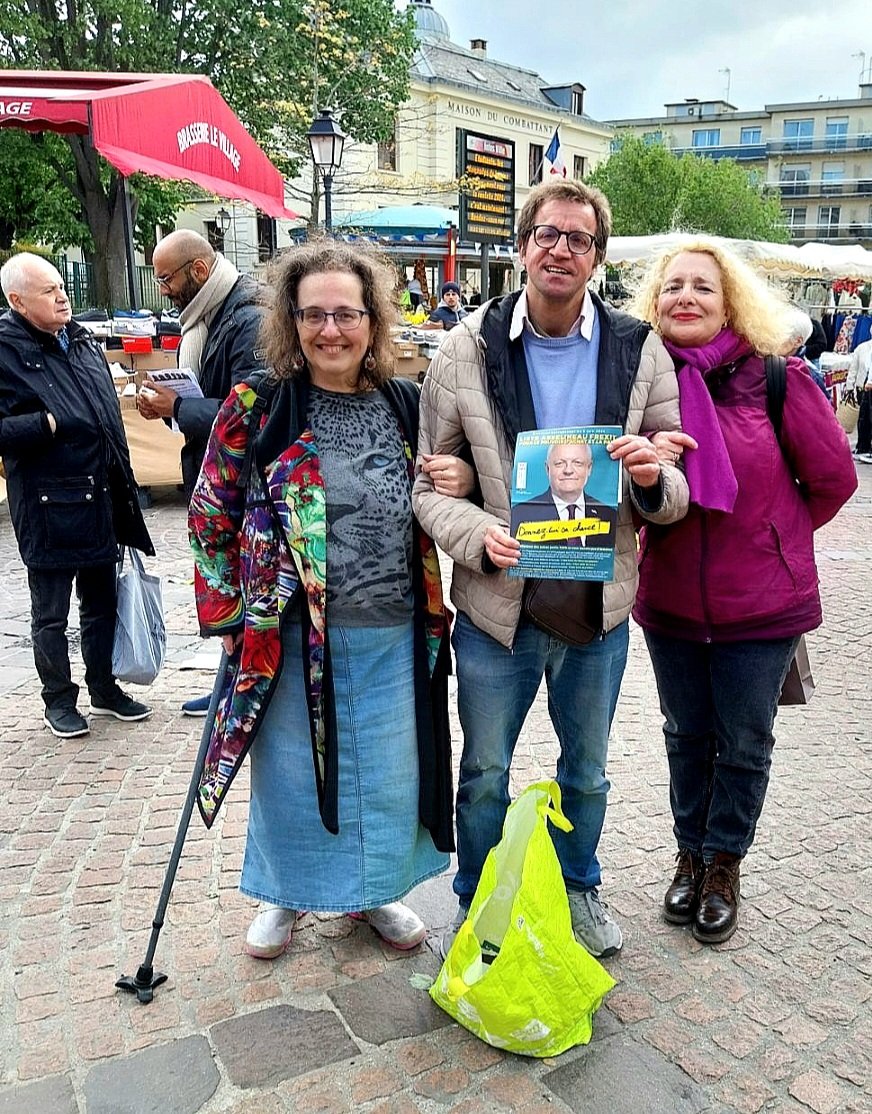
653	191
274	61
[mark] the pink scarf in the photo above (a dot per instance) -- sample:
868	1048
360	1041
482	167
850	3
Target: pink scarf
709	470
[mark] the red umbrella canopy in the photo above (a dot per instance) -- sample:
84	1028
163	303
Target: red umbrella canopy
169	125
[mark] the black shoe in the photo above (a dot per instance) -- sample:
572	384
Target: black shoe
120	705
718	914
66	723
680	901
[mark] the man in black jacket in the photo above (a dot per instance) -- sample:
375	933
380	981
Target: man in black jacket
221	313
72	494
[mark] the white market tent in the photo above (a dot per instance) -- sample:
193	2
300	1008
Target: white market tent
811	261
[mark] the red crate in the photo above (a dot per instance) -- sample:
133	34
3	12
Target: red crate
136	344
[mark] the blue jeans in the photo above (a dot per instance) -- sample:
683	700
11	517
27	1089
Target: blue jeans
719	700
495	688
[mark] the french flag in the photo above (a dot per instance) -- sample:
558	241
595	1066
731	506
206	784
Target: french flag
554	157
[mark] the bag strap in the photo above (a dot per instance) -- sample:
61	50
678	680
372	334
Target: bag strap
776	391
265	391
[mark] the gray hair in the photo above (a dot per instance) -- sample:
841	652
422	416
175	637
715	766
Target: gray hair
14	272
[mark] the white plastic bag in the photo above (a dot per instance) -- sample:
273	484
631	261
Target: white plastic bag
140	635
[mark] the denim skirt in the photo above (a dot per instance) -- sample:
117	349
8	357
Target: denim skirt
381	851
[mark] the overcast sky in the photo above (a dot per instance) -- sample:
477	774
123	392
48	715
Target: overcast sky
634	56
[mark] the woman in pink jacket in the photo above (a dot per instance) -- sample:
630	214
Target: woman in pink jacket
725	593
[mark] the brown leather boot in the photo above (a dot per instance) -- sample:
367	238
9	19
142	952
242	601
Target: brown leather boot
679	904
718	913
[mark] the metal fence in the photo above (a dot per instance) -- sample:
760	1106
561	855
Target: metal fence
79	280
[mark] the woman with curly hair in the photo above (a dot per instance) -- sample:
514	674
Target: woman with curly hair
328	599
726	593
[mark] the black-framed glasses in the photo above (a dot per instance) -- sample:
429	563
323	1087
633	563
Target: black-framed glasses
164	280
346	319
547	236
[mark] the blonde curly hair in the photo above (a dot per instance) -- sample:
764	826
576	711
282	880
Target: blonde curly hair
754	309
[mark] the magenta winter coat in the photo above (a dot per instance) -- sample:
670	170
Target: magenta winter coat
751	574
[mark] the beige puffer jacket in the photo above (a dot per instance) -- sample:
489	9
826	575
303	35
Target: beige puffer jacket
455	410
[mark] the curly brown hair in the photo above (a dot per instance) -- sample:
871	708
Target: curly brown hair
567	189
321	256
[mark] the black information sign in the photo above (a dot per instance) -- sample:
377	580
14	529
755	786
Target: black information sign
487	205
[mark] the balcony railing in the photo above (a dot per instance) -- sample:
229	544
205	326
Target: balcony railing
741	152
849	232
819	187
858	141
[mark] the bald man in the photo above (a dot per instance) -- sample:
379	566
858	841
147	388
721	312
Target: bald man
72	495
220	315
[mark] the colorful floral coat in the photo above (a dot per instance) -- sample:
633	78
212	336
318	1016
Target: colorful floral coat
260	546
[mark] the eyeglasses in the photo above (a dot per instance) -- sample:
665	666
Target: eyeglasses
547	236
164	280
345	319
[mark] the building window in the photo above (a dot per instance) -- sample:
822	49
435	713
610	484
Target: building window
537	157
577	108
214	235
579	167
798	134
795	219
749	136
832	177
267	237
706	137
794	181
828	221
837	132
652	139
387	154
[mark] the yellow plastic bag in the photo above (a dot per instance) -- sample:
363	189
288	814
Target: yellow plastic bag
515	975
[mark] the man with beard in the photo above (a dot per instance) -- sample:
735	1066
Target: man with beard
221	312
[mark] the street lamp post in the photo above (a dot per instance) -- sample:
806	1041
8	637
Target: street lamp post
326	140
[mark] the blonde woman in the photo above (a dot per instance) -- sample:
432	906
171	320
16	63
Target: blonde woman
726	593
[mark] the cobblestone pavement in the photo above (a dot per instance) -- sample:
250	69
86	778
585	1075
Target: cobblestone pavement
776	1019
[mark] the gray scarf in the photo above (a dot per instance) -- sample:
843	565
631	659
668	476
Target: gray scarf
196	317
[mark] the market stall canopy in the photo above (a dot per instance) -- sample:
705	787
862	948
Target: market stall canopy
400	221
813	260
168	125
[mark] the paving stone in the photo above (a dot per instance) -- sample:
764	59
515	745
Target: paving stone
623	1076
402	1011
175	1078
55	1095
263	1048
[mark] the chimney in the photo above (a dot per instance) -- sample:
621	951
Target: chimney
478	46
866	90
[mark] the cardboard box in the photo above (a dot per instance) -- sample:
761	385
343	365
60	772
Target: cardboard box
143	361
414	368
405	350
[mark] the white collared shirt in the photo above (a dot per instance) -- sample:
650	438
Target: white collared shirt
583	324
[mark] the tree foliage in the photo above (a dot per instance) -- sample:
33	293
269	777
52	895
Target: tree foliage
274	61
653	191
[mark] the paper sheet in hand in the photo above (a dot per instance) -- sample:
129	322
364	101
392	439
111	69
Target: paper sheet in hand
182	380
565	495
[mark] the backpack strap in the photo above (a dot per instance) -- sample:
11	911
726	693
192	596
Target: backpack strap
266	388
776	391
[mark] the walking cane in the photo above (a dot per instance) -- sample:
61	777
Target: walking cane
146	979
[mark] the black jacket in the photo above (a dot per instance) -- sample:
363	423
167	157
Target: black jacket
231	355
72	494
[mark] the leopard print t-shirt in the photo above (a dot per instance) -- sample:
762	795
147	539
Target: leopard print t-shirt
369	508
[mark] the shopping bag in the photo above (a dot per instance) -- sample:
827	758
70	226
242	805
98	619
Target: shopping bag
798	686
847	414
140	635
515	974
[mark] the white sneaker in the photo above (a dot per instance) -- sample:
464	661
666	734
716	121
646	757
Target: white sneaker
866	458
593	926
269	934
396	924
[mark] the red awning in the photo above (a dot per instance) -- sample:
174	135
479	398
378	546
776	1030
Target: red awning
169	125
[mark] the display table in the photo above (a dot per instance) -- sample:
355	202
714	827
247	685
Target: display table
154	449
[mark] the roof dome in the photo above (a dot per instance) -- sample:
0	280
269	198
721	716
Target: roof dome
428	21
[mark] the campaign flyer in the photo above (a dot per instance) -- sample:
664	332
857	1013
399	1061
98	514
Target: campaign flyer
565	495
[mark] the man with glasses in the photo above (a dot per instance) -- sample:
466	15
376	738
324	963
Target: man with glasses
552	355
221	312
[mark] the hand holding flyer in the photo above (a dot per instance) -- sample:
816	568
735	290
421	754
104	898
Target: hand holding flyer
565	495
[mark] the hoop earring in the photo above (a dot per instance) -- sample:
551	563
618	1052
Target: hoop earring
369	360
